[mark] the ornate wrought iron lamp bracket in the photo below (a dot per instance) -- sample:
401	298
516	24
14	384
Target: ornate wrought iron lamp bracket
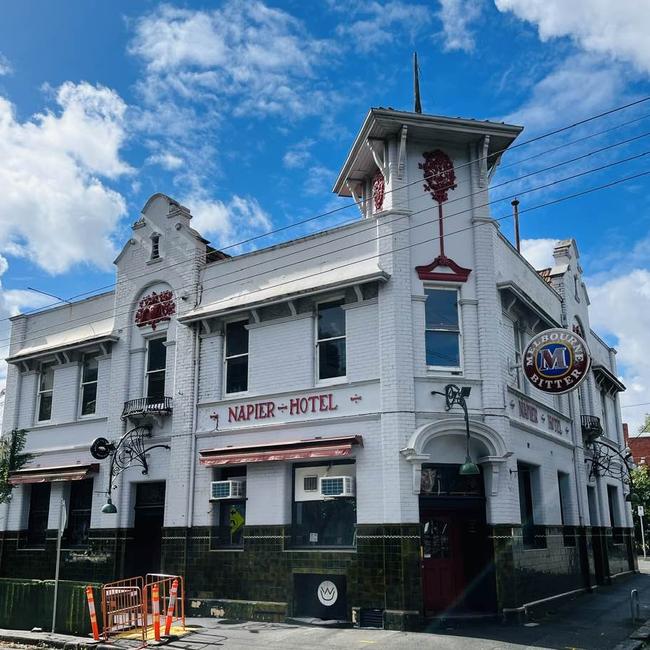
608	460
129	451
455	395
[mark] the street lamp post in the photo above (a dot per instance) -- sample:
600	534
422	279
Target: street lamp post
456	395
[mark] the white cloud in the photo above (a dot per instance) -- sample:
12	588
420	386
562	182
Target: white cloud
5	66
616	29
377	24
319	180
298	155
539	252
244	57
50	179
240	218
456	17
578	86
619	307
167	161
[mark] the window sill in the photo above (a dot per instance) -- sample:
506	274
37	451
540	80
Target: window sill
443	370
227	550
31	548
235	396
331	381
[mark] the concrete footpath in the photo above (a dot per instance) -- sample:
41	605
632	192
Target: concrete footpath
596	621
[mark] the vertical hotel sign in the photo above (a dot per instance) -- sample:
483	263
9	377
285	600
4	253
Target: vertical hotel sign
556	361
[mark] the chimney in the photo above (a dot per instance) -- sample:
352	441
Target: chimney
515	217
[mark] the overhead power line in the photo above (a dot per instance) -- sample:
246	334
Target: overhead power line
353	204
529	209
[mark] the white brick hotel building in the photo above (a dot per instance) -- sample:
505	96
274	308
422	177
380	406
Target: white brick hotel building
290	394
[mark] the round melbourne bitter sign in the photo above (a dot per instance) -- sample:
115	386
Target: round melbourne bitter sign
556	361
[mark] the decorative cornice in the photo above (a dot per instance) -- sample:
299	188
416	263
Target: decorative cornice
458	274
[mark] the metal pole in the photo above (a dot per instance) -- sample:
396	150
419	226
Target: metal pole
58	559
642	537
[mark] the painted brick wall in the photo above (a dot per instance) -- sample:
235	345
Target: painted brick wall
271	367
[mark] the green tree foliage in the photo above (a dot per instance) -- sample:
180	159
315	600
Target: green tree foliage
11	459
641	486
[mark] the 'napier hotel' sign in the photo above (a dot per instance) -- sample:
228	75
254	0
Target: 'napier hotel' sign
293	406
556	361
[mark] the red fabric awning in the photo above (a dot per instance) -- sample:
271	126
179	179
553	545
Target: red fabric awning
279	451
52	474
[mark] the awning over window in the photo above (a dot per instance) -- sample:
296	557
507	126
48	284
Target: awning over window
608	380
52	474
279	451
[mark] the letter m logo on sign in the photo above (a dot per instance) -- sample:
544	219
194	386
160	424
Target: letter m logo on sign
553	360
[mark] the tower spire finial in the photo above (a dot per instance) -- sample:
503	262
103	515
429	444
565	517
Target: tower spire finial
416	84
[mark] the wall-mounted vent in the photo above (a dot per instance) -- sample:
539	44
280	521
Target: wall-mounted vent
310	483
233	489
336	486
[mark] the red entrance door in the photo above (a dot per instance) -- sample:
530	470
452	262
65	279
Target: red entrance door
442	562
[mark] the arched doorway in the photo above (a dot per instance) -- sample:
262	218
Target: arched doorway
457	563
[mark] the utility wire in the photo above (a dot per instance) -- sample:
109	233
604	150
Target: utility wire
372	224
358	204
356	261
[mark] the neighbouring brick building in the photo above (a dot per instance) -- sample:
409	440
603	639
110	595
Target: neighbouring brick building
293	396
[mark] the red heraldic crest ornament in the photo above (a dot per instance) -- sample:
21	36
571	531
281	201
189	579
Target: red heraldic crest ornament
378	190
439	175
155	308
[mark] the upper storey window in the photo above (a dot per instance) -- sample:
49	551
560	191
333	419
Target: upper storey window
330	340
156	361
155	247
45	392
237	357
89	384
442	329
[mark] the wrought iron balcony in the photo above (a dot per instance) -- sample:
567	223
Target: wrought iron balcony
147	406
591	426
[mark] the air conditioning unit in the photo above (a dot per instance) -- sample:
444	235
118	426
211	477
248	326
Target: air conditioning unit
336	486
233	489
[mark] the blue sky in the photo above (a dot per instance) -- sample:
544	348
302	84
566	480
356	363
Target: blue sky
244	111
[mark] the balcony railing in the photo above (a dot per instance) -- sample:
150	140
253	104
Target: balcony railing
147	406
591	426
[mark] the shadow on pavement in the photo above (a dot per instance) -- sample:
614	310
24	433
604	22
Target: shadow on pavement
596	620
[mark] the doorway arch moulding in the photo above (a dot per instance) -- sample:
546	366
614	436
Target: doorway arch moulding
495	453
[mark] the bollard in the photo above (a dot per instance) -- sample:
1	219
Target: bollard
172	605
635	607
155	606
93	615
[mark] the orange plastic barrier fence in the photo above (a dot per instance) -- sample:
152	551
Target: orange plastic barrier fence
124	607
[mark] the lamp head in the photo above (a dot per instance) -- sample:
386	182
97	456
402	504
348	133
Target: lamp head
108	508
469	468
